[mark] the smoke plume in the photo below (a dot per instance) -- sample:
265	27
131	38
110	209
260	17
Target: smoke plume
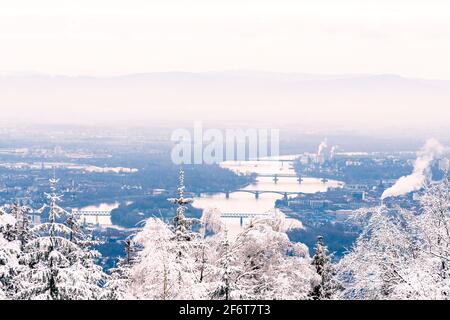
415	181
323	145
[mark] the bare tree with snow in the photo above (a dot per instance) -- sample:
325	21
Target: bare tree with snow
267	265
165	267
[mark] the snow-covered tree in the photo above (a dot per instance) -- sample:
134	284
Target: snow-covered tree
402	254
211	235
9	253
221	284
322	262
167	266
59	269
215	256
117	287
15	233
22	228
174	262
378	262
267	265
152	277
182	225
429	277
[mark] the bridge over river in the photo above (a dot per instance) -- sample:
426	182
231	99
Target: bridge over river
257	193
276	177
242	215
83	214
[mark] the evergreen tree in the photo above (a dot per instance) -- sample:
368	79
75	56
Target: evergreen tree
9	253
23	223
59	269
15	232
186	243
182	225
324	267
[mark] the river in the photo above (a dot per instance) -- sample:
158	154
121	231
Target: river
239	202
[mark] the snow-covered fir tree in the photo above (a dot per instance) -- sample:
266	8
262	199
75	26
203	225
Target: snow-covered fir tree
9	253
59	269
182	225
323	264
15	232
187	246
400	254
23	224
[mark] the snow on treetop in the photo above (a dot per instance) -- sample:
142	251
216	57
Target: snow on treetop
7	219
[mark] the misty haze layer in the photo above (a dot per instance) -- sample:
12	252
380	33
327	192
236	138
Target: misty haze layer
326	102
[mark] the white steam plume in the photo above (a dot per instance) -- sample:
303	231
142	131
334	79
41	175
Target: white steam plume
333	151
415	181
323	145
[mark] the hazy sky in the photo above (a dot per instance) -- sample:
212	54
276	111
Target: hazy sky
104	37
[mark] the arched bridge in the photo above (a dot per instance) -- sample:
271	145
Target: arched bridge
257	193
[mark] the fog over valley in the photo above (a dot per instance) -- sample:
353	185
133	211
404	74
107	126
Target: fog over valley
310	102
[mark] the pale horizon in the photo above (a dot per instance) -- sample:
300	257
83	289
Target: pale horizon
105	38
373	66
366	103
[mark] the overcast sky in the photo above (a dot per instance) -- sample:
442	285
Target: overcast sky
104	37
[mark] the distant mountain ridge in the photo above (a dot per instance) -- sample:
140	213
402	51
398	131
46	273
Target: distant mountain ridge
248	75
